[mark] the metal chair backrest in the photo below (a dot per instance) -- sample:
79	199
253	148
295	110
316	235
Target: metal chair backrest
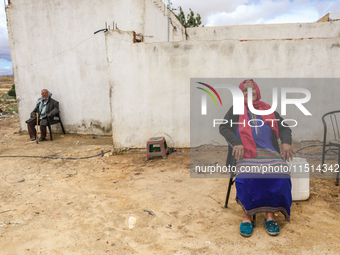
332	118
334	144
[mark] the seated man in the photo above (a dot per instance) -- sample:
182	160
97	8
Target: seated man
46	107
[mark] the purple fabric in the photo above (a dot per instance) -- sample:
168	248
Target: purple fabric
264	195
264	138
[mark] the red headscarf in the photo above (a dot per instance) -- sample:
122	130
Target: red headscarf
245	130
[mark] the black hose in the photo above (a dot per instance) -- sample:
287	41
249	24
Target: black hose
48	157
312	145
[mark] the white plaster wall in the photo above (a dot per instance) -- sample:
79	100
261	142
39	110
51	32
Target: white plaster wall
270	31
53	46
153	96
334	15
156	23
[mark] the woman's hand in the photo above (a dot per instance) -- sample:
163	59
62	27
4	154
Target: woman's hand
238	151
287	151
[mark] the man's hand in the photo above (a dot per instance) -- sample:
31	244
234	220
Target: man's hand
287	151
33	115
238	151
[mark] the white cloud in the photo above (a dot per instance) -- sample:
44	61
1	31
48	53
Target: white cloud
6	70
4	45
223	13
248	14
205	8
303	16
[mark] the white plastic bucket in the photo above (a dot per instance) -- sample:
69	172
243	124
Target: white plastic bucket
299	171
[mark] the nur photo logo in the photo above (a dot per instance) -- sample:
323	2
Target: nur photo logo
204	97
238	99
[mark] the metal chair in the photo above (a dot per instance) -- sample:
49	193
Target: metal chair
333	142
54	121
231	161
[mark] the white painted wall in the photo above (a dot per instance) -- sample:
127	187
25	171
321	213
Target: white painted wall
334	15
156	16
53	46
269	31
156	100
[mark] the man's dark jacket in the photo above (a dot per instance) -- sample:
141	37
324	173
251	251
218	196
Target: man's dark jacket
52	109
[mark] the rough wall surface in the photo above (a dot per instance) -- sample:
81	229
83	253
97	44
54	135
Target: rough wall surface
270	31
334	15
53	46
153	97
156	17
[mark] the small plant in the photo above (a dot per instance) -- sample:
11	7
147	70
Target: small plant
11	92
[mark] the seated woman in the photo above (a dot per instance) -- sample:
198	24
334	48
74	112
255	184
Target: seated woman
256	148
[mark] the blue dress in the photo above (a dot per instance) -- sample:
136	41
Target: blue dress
261	190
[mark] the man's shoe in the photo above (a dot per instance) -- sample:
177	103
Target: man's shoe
33	139
42	139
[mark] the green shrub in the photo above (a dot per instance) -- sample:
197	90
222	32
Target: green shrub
11	92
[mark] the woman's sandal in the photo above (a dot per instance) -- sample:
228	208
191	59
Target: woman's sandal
246	229
272	227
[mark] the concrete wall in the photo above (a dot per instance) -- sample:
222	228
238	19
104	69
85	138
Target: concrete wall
153	98
271	31
156	16
334	15
53	46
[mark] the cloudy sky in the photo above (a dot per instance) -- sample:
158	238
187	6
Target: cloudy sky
220	13
5	58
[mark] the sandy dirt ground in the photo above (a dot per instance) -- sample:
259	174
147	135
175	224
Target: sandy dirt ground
122	204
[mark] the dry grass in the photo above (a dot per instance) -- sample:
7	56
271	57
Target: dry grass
6	81
8	104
